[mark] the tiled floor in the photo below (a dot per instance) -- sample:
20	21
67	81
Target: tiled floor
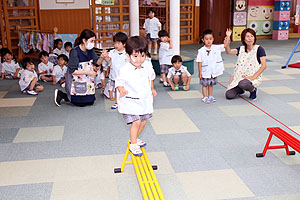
203	151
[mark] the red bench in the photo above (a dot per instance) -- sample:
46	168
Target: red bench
286	138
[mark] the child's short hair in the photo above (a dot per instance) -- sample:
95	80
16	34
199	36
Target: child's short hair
176	58
64	57
163	33
68	44
3	52
151	10
137	44
120	37
56	41
27	61
43	53
207	32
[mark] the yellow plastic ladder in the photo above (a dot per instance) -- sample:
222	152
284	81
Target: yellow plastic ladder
144	173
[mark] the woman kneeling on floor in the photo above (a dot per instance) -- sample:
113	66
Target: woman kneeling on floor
247	75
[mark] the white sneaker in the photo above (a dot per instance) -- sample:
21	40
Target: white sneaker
31	92
205	100
161	80
135	150
166	84
212	99
140	142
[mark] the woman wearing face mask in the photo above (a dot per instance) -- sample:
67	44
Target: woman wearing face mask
82	67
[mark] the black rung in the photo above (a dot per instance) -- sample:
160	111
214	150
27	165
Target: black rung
154	167
291	153
117	170
259	155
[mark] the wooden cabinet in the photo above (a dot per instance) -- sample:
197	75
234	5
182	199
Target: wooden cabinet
109	17
23	13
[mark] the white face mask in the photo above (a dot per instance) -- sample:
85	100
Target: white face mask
89	46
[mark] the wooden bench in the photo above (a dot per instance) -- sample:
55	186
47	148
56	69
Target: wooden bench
285	137
144	172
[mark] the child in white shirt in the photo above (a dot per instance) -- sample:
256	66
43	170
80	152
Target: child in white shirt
10	67
60	70
118	59
165	55
58	47
136	90
210	65
68	48
45	68
178	74
152	26
28	81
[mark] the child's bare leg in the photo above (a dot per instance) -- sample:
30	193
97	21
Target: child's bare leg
116	99
134	131
155	47
204	91
46	78
39	88
111	95
176	79
32	83
142	126
149	46
163	76
184	78
210	90
103	83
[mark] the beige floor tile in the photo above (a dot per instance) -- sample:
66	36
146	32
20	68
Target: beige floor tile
229	65
17	102
191	94
39	134
216	184
14	111
2	94
278	77
195	81
82	168
274	64
278	90
281	197
289	71
270	57
27	172
264	78
240	110
168	121
295	104
104	188
296	128
108	105
289	160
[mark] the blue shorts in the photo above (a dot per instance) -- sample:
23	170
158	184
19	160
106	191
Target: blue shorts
149	39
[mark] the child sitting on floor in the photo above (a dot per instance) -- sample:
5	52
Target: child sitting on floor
28	81
58	47
10	67
45	68
178	74
60	70
68	48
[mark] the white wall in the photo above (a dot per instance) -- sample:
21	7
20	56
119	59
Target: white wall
51	4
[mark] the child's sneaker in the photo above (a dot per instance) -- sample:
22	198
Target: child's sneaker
184	88
253	95
176	87
166	84
140	142
115	106
205	100
161	80
135	150
212	99
57	97
63	85
31	92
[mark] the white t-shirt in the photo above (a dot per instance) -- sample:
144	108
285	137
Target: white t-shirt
211	59
172	72
42	67
139	100
118	60
59	72
152	26
26	78
58	52
165	54
10	68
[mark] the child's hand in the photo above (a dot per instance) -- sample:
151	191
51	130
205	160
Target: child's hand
251	78
54	83
200	75
154	93
173	88
123	92
187	87
228	33
231	78
104	53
